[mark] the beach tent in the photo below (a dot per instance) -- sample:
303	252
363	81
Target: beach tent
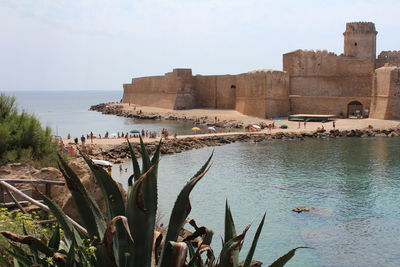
256	126
196	129
212	129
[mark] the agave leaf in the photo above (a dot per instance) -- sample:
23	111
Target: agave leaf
230	231
32	242
182	205
70	233
250	254
145	156
112	195
141	220
136	169
227	256
54	241
196	259
19	258
87	208
4	262
158	237
175	254
285	258
71	256
115	205
110	232
203	232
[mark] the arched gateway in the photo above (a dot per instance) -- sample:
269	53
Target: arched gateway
354	109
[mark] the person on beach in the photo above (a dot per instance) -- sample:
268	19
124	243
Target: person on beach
91	137
305	124
120	168
69	136
299	126
334	124
83	140
76	140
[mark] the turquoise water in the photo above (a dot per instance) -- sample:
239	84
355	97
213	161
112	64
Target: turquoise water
354	184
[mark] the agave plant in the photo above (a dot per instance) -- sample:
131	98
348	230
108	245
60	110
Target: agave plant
129	236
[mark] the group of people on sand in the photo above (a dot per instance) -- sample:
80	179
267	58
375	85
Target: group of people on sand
143	133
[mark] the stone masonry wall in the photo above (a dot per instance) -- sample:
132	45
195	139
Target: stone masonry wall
263	93
215	91
391	57
386	94
323	83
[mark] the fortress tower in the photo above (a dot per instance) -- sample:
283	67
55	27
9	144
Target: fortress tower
360	40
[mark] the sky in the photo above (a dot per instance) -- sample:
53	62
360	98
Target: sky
102	44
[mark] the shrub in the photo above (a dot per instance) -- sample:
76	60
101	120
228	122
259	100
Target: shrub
22	137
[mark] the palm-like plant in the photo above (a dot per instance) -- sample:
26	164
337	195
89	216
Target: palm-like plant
129	235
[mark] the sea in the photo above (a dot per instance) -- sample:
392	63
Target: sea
353	185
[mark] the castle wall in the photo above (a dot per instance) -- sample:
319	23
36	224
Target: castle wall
217	91
386	94
171	91
388	57
263	93
323	83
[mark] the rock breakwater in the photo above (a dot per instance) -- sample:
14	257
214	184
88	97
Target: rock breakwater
178	145
118	110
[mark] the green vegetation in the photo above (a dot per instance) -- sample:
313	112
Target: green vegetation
15	221
22	138
129	235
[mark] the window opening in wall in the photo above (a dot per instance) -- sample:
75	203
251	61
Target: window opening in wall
355	44
233	86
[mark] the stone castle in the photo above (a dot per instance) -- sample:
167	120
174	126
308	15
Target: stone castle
312	82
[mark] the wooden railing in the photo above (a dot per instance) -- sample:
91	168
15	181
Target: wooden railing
47	183
5	186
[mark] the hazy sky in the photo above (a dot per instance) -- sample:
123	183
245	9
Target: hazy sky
101	44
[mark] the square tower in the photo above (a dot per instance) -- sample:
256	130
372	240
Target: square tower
360	40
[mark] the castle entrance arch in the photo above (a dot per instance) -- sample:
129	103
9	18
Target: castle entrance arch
354	109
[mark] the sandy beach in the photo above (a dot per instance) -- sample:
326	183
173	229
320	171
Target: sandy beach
234	116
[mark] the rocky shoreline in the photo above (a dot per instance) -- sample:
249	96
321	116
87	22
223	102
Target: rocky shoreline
117	110
170	146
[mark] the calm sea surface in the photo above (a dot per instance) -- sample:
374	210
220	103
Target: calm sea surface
67	112
354	185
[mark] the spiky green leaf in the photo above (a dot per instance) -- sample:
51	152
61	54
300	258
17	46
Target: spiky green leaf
182	205
135	164
285	258
175	254
87	208
230	248
250	254
54	241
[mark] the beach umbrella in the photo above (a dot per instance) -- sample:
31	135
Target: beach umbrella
256	126
135	131
196	129
212	129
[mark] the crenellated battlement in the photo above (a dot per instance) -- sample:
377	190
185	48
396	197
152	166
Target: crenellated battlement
360	27
389	54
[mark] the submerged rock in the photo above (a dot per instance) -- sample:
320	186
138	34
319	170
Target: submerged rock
300	209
